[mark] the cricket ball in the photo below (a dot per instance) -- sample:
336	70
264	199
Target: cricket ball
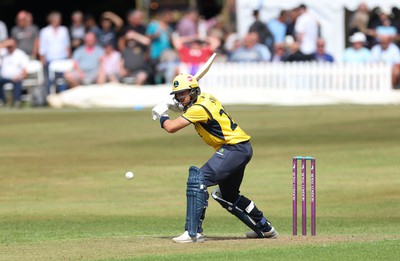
129	175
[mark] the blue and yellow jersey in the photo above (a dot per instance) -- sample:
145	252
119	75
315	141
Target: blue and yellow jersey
213	123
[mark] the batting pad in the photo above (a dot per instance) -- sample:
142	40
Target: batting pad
196	195
236	211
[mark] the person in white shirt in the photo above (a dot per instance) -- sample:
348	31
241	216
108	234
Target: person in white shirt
388	52
307	31
13	70
3	31
54	43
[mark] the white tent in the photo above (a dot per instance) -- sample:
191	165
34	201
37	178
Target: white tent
330	13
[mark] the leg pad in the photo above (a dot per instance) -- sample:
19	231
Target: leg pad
239	213
197	200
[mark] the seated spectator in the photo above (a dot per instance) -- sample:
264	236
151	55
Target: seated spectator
135	67
250	50
76	29
13	70
388	52
357	53
280	53
385	25
87	62
320	55
110	24
26	34
194	52
167	65
110	65
296	55
232	42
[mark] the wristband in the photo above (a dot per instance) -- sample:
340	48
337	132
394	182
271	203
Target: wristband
162	120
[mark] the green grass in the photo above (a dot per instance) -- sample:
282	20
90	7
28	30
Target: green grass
63	194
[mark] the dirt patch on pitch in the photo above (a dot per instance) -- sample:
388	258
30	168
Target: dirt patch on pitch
300	240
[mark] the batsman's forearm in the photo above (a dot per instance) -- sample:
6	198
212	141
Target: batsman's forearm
167	124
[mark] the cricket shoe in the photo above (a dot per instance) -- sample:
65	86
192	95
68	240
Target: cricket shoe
185	238
272	233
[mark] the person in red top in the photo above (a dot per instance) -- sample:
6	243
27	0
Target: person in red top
194	52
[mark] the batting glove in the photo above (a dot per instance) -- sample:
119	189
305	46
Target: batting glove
159	111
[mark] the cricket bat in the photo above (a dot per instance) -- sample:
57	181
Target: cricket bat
204	69
200	73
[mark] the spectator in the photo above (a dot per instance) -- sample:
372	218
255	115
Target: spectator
280	53
13	70
278	27
251	50
135	22
359	20
167	65
110	24
77	29
110	65
293	15
357	53
388	52
26	34
91	25
187	26
307	30
219	29
134	69
195	54
54	43
232	42
320	55
296	55
3	31
86	62
384	25
159	31
387	26
265	37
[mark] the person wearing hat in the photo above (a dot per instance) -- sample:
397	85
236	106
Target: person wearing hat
383	24
225	168
357	53
110	24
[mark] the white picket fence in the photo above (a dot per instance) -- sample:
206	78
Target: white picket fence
308	76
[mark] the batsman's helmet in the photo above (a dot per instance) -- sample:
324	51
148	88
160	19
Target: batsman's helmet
185	82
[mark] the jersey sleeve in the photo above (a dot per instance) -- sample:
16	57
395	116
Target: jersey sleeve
196	113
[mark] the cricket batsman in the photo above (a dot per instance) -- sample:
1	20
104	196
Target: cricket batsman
226	166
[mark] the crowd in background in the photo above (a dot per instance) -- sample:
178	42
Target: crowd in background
143	50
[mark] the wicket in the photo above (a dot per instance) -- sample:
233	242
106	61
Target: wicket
303	194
